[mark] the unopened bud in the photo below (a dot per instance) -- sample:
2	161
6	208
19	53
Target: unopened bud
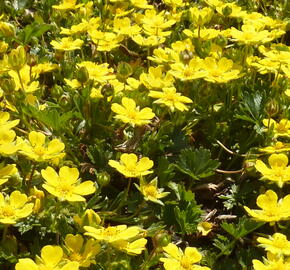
7	29
89	218
272	107
8	85
82	75
17	58
124	70
227	11
103	178
3	47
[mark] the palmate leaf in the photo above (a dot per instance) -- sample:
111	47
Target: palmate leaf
196	163
244	227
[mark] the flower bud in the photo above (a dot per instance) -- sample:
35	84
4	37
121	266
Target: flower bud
17	58
89	218
3	47
82	75
124	70
103	178
8	85
7	29
272	107
227	11
161	239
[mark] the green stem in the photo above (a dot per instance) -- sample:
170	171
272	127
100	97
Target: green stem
20	80
5	230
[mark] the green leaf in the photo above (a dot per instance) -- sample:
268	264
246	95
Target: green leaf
33	30
244	227
196	163
186	211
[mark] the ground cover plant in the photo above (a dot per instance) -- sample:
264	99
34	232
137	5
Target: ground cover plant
144	134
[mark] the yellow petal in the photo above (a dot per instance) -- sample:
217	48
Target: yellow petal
17	199
51	255
51	176
36	138
70	175
74	242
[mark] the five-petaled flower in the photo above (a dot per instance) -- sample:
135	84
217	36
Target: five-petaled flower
66	185
177	259
272	209
14	207
278	172
129	165
130	113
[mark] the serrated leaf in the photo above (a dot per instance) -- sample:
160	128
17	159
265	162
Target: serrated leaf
196	163
242	228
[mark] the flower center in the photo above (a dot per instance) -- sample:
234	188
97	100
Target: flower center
150	191
281	128
65	189
7	211
185	263
39	150
110	231
76	257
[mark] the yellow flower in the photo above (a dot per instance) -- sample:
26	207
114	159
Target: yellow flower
155	24
281	129
78	251
14	207
5	123
249	35
129	165
37	149
129	113
276	148
187	72
132	248
151	192
272	209
105	41
220	71
99	73
171	99
155	79
123	26
279	171
204	227
6	172
271	263
67	5
51	259
176	259
27	84
276	244
67	44
7	144
66	185
113	234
